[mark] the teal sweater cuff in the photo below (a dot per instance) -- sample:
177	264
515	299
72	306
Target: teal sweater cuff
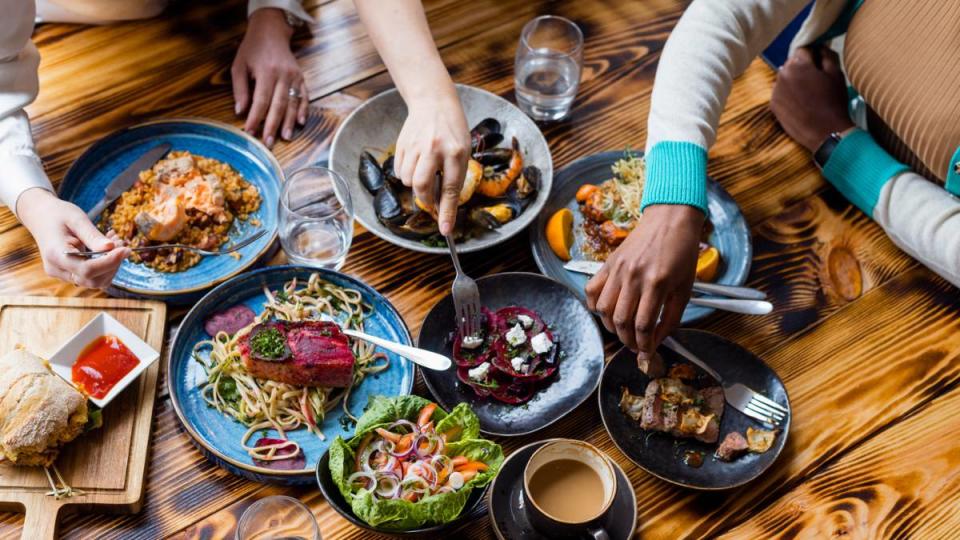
676	174
859	168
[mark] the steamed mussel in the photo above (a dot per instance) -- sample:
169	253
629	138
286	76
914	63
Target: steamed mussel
497	188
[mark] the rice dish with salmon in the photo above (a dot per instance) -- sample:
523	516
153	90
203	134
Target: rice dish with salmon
183	199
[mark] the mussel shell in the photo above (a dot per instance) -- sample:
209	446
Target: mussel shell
495	157
370	173
487	126
388	207
416	227
529	182
485	135
492	217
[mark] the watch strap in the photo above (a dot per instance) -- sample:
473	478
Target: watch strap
826	148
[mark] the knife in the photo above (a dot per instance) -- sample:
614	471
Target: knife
730	291
128	177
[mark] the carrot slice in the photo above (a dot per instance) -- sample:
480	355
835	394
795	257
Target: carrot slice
404	442
460	460
389	435
476	466
425	414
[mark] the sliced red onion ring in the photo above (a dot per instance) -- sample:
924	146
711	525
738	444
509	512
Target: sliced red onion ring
388	485
371	480
405	423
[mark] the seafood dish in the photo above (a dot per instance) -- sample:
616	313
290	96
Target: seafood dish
412	464
610	211
514	356
284	368
496	189
183	199
672	405
39	411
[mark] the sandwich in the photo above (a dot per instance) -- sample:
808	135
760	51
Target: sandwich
39	411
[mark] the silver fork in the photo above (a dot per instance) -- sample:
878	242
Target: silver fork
235	247
739	396
466	297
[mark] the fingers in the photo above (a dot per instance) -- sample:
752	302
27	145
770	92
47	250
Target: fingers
453	171
290	117
425	180
405	163
304	104
625	313
241	87
607	301
87	232
803	55
670	318
648	313
278	109
595	287
829	61
262	94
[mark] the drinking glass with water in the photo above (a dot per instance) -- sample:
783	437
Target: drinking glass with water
316	218
547	67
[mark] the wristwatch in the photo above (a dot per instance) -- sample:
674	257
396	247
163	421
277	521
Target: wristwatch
826	148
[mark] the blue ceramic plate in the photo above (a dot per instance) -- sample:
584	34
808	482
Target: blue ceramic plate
730	235
89	176
216	435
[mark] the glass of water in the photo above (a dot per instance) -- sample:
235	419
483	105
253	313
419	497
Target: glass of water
277	518
547	67
316	218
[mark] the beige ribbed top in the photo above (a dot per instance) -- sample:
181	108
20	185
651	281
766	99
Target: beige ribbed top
903	56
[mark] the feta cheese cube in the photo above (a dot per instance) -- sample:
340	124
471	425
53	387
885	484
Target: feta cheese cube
517	363
479	373
516	336
541	343
471	342
525	320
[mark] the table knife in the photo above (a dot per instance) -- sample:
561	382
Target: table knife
730	291
128	177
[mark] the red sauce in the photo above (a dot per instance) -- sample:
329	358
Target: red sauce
102	364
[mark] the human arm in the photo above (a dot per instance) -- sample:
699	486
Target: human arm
55	225
264	71
713	43
435	136
923	219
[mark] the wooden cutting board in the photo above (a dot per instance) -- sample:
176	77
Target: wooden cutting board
109	464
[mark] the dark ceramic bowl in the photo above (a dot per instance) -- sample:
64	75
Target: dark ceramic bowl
475	508
576	332
507	509
730	234
662	455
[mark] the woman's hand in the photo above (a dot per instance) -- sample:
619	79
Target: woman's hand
810	100
652	270
279	95
59	226
435	138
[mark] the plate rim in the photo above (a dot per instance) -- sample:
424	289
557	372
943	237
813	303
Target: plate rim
515	453
535	226
583	400
375	227
175	397
273	162
785	428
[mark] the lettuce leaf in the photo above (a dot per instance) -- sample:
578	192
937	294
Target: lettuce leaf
461	423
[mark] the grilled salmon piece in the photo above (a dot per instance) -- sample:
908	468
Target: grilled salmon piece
312	353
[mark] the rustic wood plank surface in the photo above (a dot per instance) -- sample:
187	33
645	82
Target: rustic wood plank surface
863	337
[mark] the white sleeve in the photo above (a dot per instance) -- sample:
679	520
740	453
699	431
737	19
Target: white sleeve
713	43
20	167
922	219
293	7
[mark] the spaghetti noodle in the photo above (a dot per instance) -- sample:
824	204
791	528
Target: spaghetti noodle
264	404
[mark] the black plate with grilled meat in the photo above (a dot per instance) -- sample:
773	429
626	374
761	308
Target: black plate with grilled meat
580	353
664	455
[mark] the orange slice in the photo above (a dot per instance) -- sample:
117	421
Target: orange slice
707	264
559	233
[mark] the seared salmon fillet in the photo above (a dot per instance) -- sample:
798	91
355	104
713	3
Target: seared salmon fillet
306	353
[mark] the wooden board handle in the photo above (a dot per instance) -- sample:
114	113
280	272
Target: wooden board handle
40	522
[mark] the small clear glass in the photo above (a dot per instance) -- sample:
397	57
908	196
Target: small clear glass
547	67
278	517
316	218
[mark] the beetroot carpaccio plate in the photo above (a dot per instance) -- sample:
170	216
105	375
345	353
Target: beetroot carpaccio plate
514	387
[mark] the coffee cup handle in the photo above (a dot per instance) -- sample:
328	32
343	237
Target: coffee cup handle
598	533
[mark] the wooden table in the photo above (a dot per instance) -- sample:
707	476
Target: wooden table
865	339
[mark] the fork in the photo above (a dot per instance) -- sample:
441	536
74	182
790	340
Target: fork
235	247
466	297
739	396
